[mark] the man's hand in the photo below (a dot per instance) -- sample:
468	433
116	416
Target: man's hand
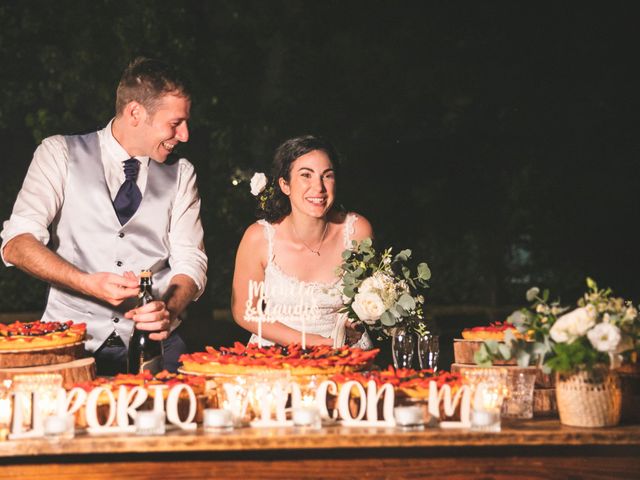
153	317
110	287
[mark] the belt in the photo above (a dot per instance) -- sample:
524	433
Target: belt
113	340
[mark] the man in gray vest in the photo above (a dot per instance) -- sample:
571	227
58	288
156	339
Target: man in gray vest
111	203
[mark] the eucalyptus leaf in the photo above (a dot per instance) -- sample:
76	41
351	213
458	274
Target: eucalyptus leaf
505	351
407	302
406	273
366	243
523	358
346	255
402	256
492	346
483	357
387	319
424	272
348	291
358	272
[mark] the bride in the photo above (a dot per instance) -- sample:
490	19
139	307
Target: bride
297	244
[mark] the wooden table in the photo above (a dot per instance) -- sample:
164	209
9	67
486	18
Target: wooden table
529	449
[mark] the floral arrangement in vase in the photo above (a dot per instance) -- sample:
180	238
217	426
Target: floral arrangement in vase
381	290
602	330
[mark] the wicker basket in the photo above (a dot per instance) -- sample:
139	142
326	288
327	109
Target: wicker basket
589	398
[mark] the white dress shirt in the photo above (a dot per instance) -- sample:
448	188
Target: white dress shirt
42	195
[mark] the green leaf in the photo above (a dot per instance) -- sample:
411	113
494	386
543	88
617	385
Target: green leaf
483	357
424	272
366	243
406	301
505	351
349	291
402	256
346	255
523	358
406	273
492	346
387	319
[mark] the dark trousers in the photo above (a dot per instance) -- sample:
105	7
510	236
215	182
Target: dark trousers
111	360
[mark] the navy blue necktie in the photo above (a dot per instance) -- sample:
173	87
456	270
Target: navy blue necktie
128	197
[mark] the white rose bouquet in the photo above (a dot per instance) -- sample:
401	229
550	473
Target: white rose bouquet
602	330
380	290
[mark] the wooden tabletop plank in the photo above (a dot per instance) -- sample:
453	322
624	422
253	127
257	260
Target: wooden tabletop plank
514	434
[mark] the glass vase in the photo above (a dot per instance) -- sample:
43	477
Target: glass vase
403	347
428	351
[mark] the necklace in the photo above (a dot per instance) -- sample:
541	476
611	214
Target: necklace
317	250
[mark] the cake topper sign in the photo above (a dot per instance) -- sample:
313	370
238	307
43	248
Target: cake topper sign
301	306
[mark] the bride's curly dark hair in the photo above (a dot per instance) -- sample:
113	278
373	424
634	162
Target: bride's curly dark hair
277	205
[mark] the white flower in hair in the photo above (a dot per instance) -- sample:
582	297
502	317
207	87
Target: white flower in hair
258	183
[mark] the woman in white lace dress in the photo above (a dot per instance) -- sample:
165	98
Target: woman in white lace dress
298	243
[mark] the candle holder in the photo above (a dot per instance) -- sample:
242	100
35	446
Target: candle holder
268	397
233	395
150	422
59	426
409	417
217	419
35	399
306	416
488	389
519	401
6	409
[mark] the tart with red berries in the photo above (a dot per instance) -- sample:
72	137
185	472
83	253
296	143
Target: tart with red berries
494	331
25	336
245	359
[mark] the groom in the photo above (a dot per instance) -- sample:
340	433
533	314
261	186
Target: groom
116	203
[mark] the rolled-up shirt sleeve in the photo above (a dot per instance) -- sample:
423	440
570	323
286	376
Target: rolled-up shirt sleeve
186	236
41	195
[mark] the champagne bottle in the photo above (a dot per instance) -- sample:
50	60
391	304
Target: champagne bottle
144	353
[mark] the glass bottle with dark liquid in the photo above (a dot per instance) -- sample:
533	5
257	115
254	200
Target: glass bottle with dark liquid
144	353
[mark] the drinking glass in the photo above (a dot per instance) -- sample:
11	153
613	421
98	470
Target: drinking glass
488	389
519	400
403	344
428	351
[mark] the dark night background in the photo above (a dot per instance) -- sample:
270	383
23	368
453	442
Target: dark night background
498	140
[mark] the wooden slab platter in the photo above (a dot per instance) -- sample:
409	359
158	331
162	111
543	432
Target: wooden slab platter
41	356
76	371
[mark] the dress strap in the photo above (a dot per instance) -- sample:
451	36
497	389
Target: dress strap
269	233
349	229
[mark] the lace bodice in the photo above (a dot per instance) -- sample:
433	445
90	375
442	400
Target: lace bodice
282	287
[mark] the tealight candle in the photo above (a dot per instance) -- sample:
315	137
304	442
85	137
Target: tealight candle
150	422
215	418
59	425
307	416
409	416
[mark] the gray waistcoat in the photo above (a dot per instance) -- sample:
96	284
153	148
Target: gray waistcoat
87	234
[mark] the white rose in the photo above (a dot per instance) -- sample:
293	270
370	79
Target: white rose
559	332
604	337
577	322
258	183
368	306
